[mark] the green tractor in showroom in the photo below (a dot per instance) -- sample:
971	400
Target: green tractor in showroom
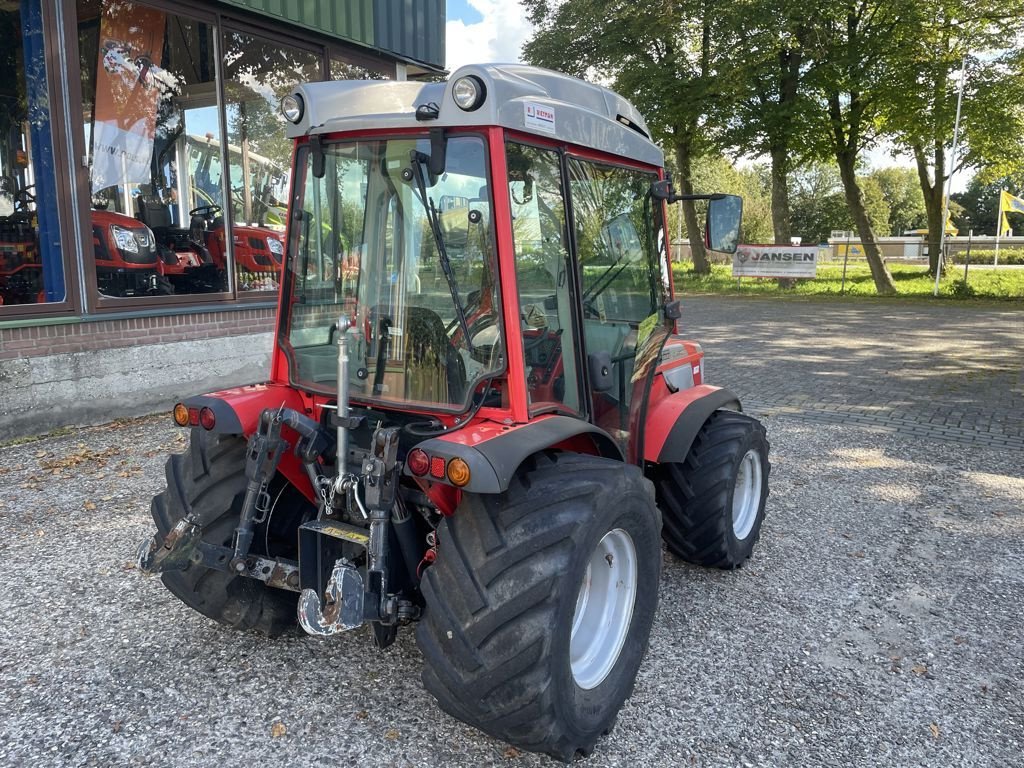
480	418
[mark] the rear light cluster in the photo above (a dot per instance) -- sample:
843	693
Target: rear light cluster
456	470
185	416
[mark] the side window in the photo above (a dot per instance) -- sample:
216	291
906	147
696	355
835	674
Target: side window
620	279
540	237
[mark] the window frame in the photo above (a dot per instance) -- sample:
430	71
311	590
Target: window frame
282	339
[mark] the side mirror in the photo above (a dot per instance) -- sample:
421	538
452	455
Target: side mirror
722	229
599	364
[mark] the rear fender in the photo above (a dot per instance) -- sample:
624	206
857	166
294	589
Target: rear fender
495	452
675	419
237	412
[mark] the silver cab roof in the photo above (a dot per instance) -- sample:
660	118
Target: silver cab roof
519	97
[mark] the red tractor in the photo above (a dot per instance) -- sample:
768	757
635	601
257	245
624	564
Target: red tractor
194	259
480	418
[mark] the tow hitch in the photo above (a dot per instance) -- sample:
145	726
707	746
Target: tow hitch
326	548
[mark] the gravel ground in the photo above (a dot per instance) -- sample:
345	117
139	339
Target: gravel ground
879	622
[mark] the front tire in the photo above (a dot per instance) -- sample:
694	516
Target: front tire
714	502
210	480
539	607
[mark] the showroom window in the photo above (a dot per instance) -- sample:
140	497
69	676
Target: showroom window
152	139
258	73
31	266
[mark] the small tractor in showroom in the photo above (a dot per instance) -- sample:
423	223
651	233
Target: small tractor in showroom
479	418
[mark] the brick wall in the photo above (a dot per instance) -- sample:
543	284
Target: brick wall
63	338
58	375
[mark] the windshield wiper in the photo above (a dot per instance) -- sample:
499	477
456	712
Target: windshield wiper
418	160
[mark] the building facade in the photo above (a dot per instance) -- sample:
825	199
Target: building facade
144	180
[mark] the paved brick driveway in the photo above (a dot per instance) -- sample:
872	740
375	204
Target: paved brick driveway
955	372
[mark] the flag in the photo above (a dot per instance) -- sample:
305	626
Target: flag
128	86
1008	204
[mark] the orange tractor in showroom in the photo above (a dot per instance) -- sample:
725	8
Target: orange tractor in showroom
480	418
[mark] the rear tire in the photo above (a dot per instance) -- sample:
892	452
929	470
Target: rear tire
714	502
210	480
525	634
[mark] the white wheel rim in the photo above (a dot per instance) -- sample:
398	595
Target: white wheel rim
746	494
604	609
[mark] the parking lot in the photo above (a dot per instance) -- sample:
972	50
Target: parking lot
878	623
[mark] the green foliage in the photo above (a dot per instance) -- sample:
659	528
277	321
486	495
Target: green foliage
962	289
980	203
818	203
1013	256
902	192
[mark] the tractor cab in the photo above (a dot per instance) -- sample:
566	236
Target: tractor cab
494	242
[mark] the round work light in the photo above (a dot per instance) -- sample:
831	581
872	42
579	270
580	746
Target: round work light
292	107
468	93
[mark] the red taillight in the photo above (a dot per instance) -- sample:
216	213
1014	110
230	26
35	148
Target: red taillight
418	461
437	467
207	419
193	417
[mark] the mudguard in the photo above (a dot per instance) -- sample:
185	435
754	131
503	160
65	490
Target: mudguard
495	452
674	420
237	412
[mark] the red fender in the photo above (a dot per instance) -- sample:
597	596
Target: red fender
237	412
675	418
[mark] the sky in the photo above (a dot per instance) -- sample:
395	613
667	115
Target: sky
480	31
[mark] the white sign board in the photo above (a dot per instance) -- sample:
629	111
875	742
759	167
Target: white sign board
775	261
539	117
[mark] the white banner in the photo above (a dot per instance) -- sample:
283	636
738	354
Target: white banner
775	261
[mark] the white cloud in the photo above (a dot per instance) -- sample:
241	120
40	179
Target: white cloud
498	37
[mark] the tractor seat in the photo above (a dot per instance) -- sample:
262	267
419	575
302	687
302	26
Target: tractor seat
156	215
434	369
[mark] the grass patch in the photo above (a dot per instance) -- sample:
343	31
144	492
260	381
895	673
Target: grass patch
911	280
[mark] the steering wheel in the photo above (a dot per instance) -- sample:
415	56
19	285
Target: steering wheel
23	199
206	211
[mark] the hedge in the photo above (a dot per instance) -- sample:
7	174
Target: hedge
987	256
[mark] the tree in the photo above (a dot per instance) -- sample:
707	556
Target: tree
766	72
819	202
849	72
902	192
663	55
919	106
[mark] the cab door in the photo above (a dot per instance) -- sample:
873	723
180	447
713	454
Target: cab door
545	277
615	245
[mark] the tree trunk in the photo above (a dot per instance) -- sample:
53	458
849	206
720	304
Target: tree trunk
932	204
780	197
855	200
701	265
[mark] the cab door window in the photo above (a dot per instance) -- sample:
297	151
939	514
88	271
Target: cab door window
540	238
620	280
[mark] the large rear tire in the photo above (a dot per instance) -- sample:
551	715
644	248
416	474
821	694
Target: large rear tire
210	480
539	607
713	503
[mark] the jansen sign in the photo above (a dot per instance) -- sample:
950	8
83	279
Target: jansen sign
775	261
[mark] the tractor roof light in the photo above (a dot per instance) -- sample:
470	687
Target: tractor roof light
292	107
469	93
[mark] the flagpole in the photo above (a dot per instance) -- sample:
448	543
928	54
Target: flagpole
952	170
999	226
